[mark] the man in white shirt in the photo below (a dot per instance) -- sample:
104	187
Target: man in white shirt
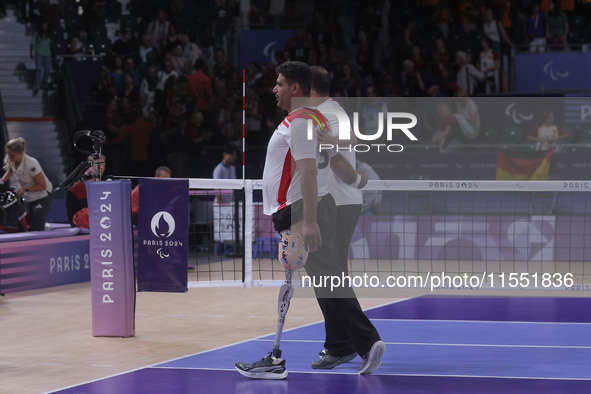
222	206
348	331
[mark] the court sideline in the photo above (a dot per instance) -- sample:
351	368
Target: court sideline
46	341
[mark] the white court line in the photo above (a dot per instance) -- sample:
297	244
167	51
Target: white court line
333	372
444	344
483	321
175	359
204	351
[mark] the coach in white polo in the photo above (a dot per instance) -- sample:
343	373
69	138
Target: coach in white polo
32	183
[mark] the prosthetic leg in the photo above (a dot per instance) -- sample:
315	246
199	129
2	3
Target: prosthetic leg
292	255
285	294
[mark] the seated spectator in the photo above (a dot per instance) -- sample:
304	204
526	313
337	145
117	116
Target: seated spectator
138	132
200	85
111	121
411	82
448	134
94	13
190	50
171	40
79	44
117	74
145	49
387	86
112	124
103	89
440	58
417	58
221	69
176	140
371	110
127	112
536	28
183	95
198	135
490	64
350	85
557	28
125	45
467	115
256	17
468	76
547	134
494	30
468	15
442	18
132	69
158	29
179	62
168	72
150	84
130	89
254	117
447	84
76	199
161	172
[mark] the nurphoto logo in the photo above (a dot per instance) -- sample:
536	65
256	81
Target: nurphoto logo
388	122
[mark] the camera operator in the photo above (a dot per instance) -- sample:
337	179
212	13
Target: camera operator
76	201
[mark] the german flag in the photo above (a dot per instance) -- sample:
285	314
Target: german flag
533	166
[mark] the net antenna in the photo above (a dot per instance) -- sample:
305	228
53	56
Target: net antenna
243	124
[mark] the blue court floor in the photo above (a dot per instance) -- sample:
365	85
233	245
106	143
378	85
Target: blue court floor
434	345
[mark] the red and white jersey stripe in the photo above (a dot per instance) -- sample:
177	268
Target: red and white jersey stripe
289	143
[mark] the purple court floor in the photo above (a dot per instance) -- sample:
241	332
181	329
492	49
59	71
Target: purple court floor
442	345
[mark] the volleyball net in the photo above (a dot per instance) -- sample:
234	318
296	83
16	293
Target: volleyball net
412	234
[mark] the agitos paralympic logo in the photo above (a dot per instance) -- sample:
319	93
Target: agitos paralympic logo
344	133
162	226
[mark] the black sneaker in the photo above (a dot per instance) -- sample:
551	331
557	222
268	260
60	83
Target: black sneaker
372	359
269	367
327	361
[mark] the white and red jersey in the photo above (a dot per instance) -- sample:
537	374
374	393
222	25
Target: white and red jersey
289	143
343	193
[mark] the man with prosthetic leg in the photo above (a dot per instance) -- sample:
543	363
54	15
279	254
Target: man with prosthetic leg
293	256
295	192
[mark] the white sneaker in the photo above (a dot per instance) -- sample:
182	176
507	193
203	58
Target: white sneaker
372	359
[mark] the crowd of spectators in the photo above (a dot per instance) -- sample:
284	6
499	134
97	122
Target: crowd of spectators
172	88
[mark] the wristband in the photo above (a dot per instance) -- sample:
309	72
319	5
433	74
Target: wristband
357	181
